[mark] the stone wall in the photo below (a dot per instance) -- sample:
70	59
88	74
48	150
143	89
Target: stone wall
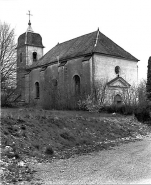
30	50
22	78
57	84
104	67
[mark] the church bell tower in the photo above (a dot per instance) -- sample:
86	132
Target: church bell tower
29	51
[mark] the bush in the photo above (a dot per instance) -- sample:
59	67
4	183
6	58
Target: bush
142	114
49	151
89	104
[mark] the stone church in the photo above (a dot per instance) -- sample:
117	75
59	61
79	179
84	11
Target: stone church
72	70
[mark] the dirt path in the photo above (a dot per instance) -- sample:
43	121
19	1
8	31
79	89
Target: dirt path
126	164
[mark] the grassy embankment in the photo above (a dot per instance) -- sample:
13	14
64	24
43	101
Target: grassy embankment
61	134
35	132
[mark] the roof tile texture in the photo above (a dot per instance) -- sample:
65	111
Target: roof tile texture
30	38
84	45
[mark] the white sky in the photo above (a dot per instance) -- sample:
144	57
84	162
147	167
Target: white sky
126	22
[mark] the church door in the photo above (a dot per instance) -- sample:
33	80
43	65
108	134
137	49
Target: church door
118	99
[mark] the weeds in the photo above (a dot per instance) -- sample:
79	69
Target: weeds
67	136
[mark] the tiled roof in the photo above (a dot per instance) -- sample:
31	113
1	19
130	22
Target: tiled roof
30	38
84	45
108	47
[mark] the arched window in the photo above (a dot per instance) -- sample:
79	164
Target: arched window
117	70
34	56
21	57
118	99
76	79
37	89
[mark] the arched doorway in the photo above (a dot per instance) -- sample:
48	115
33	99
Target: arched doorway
118	99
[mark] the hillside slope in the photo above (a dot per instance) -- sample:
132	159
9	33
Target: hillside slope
44	135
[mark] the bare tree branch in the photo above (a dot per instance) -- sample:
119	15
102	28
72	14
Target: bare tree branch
7	56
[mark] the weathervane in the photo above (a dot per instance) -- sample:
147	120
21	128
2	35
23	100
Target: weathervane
29	17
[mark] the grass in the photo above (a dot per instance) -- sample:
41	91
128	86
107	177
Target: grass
34	130
43	135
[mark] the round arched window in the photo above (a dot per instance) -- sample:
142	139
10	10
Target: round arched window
76	79
37	89
117	70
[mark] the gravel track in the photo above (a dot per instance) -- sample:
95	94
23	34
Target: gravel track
125	164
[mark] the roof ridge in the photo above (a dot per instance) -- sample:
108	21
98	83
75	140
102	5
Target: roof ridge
97	37
96	40
76	37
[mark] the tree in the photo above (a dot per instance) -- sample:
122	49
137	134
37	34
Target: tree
148	85
7	57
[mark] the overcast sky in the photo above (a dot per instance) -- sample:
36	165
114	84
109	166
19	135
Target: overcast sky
126	22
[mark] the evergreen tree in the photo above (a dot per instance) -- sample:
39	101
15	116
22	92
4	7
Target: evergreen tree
148	85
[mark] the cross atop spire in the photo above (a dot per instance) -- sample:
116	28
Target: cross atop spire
29	17
29	24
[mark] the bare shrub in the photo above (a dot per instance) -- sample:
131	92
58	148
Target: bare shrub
134	101
130	96
49	151
95	101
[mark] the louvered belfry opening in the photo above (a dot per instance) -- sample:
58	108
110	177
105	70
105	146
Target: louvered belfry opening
34	56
